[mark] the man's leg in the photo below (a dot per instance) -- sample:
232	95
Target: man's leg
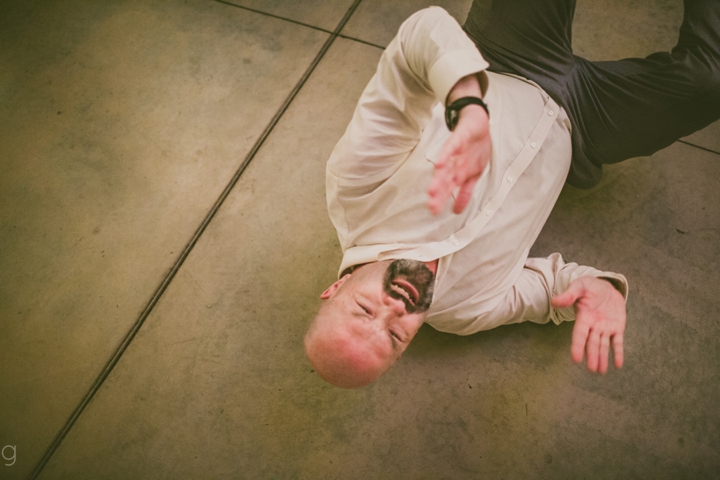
619	109
635	107
531	38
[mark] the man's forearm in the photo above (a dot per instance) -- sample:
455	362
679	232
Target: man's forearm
420	66
468	86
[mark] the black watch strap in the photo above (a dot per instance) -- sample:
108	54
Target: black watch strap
452	111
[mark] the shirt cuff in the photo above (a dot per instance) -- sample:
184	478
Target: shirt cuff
618	281
451	67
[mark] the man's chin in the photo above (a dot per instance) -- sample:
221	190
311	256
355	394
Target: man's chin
416	274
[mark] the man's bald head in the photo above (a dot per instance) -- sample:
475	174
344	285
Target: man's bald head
367	320
338	356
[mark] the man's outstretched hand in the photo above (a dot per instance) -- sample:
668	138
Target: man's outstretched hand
599	320
465	155
462	160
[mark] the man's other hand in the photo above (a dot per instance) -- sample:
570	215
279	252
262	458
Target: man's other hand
466	154
599	320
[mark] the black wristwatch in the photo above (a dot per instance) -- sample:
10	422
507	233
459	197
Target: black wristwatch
452	111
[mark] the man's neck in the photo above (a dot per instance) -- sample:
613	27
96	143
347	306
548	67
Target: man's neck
432	266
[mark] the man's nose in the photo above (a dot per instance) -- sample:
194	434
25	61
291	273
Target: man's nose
395	305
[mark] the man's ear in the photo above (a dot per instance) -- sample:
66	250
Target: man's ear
334	287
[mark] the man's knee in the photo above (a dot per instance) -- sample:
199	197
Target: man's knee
706	80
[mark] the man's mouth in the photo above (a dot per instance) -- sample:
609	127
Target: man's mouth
406	290
411	282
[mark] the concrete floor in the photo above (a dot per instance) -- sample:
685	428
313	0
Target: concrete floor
151	319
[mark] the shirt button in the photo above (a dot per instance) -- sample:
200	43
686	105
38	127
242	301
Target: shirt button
456	242
550	112
488	213
533	145
509	179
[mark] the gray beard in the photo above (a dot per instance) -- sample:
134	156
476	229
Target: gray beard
418	275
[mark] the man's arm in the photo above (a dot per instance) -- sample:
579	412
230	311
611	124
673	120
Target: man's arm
549	289
420	67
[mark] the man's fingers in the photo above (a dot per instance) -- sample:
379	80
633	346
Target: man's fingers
579	337
440	189
464	195
604	352
593	351
617	344
460	164
438	199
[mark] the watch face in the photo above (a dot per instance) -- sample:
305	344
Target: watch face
451	118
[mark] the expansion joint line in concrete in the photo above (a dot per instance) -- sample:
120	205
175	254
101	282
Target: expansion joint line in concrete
698	146
110	365
302	24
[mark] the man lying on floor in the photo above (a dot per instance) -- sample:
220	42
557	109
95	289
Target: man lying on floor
434	123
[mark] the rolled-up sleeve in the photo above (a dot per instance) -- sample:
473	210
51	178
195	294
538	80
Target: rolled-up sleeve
542	279
420	66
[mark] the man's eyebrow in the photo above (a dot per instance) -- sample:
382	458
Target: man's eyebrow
362	300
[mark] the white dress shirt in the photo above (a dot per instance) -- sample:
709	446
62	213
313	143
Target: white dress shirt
378	176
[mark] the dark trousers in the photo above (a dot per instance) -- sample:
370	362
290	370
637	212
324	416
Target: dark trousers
619	109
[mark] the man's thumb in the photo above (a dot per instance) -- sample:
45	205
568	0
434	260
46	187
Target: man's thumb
569	297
